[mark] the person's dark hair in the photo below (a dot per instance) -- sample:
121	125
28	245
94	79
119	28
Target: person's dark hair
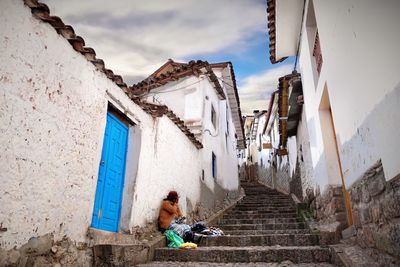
172	196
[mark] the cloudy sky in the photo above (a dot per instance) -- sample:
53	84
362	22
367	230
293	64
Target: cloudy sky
135	37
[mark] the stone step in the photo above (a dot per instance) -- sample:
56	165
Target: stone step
265	196
258	221
255	220
230	264
262	199
260	208
264	207
260	212
262	240
270	226
254	193
239	216
267	232
261	215
266	199
265	203
222	254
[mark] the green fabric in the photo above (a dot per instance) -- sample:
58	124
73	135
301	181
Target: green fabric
173	240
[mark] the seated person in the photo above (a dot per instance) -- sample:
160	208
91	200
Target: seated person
171	218
169	211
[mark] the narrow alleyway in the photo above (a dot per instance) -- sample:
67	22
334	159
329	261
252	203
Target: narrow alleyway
263	228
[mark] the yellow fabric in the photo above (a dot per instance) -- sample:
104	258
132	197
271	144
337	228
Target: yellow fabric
188	245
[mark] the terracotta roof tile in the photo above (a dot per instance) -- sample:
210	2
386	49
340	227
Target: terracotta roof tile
176	72
42	12
272	32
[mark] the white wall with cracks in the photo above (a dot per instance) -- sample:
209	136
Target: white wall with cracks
53	106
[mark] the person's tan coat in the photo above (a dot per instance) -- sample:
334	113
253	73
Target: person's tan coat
168	211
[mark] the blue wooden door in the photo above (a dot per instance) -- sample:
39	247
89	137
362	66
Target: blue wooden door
110	183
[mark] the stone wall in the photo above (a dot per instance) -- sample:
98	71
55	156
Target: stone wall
45	251
304	168
376	211
330	207
329	211
283	178
295	184
265	176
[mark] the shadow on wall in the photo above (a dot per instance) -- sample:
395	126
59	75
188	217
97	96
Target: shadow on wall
211	201
376	138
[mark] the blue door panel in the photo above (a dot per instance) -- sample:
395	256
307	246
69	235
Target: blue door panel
108	199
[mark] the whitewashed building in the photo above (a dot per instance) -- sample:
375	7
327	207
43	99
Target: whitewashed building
348	58
205	96
274	137
81	151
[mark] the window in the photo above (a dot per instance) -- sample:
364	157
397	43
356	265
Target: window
213	117
317	53
314	42
214	165
227	119
226	141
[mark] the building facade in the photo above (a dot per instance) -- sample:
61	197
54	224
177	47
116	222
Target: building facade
205	97
351	98
80	150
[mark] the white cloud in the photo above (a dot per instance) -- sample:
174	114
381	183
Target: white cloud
256	90
134	37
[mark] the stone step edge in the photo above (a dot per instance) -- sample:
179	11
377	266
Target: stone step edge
228	264
250	248
263	235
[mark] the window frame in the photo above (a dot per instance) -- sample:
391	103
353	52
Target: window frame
214	165
213	116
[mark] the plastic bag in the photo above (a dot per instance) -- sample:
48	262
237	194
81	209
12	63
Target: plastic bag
173	239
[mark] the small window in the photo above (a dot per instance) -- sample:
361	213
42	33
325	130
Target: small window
214	165
227	119
317	53
226	141
213	117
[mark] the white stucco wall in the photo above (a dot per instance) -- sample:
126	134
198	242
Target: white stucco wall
360	71
197	94
169	161
52	117
263	154
287	24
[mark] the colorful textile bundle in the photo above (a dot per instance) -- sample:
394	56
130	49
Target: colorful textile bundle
173	240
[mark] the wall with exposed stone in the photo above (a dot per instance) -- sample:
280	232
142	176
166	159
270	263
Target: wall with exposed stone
376	211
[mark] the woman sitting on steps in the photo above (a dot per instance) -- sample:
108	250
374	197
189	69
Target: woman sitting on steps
170	218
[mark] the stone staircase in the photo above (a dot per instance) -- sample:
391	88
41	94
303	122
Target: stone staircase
262	229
